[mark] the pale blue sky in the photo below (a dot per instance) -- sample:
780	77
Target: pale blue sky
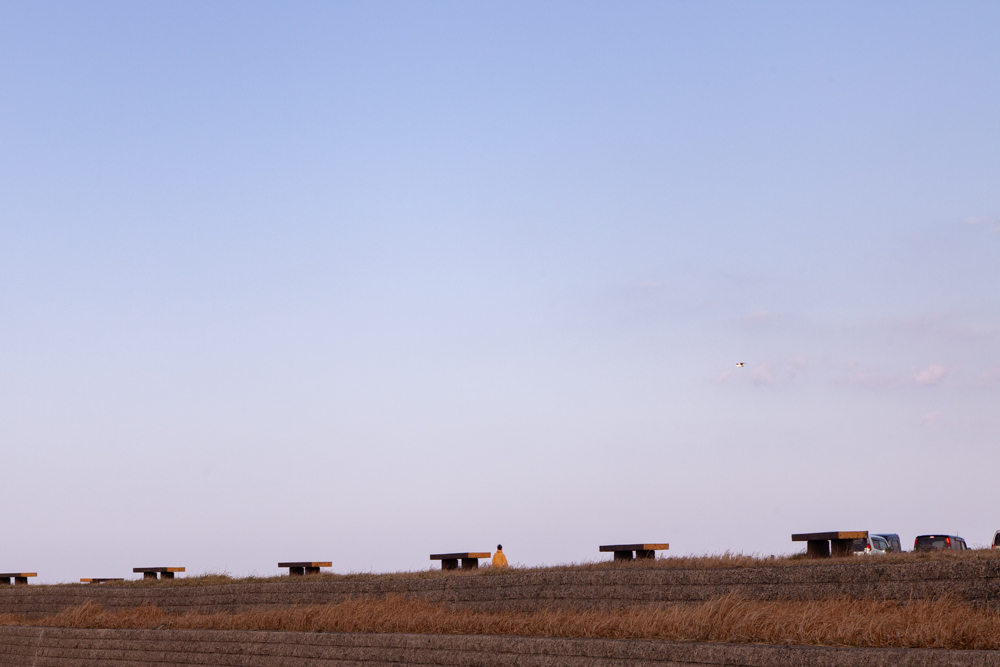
365	281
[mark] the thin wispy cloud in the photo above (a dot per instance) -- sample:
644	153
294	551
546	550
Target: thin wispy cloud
943	327
762	374
871	381
988	379
724	376
766	373
882	380
991	222
758	318
797	364
930	376
929	419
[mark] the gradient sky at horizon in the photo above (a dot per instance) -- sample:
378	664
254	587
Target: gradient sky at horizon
366	281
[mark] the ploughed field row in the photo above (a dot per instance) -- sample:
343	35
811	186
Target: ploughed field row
70	647
937	624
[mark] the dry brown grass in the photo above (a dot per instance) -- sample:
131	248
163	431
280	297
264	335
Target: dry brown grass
943	623
711	561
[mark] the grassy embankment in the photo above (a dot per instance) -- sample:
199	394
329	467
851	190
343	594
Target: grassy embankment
716	561
943	623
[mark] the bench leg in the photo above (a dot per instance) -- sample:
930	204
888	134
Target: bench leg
149	575
623	555
20	581
470	563
646	555
4	581
312	570
166	575
296	571
449	563
842	547
818	549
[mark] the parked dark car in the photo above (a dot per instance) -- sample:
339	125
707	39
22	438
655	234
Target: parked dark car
893	540
939	543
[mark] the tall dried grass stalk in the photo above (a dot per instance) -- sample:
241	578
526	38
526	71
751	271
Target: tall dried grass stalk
945	623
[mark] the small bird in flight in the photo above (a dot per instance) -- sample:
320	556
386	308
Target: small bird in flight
739	365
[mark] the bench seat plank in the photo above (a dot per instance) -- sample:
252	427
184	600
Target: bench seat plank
635	547
157	569
471	554
305	564
837	535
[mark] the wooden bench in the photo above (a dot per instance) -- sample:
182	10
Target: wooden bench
151	572
99	580
304	568
470	560
20	578
820	545
642	551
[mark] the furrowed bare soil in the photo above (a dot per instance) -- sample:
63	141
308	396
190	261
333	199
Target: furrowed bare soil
940	624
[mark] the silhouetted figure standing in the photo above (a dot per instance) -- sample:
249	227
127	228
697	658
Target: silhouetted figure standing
499	560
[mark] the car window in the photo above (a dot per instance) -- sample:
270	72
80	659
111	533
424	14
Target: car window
880	543
892	542
996	540
931	542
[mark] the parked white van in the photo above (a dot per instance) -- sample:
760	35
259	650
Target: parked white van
874	545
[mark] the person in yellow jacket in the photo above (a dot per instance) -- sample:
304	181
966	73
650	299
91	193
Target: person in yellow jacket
499	560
